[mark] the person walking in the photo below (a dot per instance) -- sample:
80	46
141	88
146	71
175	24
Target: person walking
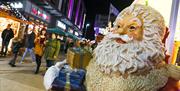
39	48
51	50
29	44
6	36
17	44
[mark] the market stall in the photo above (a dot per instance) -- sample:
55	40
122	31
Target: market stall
74	37
56	30
9	15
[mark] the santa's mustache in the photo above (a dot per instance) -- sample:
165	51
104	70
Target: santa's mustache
124	37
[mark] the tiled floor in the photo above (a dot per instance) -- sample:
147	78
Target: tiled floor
22	77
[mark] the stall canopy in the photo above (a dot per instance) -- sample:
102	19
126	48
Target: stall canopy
56	31
72	36
61	32
6	15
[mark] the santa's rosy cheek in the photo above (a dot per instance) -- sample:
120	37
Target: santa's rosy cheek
131	35
113	31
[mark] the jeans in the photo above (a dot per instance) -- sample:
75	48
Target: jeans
4	45
31	53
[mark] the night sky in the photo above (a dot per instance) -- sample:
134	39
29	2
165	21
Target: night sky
94	7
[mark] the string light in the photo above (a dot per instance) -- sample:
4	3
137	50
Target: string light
8	7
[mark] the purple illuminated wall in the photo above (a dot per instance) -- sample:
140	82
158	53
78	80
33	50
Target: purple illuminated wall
81	20
70	8
77	11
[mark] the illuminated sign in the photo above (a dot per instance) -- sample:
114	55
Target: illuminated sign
34	11
17	5
98	30
76	33
39	13
61	25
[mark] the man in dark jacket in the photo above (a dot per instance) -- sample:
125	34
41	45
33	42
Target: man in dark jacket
17	44
6	36
29	44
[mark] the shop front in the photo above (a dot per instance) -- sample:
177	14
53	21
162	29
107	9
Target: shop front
66	38
37	23
33	13
36	15
9	16
15	25
62	28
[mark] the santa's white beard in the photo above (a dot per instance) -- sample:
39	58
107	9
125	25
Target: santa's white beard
129	57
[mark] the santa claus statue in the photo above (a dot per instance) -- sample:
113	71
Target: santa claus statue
131	58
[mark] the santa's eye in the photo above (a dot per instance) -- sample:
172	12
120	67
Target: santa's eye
118	26
132	27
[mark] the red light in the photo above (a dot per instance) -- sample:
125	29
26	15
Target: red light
34	11
41	15
47	17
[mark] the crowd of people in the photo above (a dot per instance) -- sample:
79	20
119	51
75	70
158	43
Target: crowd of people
38	45
83	44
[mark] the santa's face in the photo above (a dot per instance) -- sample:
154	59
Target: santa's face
129	26
126	49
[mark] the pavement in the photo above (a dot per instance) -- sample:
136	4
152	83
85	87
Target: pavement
21	77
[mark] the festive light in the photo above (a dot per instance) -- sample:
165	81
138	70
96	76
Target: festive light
44	16
17	5
38	12
70	31
8	7
41	26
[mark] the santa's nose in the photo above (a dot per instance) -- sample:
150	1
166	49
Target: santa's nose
119	31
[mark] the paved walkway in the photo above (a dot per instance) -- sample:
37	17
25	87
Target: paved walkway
22	77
